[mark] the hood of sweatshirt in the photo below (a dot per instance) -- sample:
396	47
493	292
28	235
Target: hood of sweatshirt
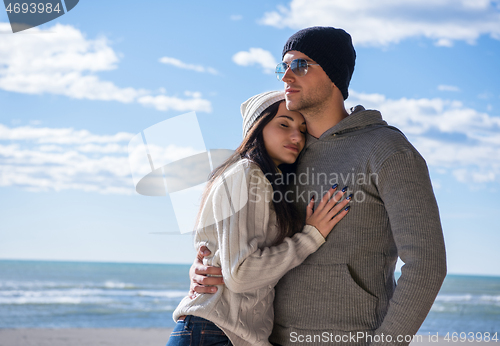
359	119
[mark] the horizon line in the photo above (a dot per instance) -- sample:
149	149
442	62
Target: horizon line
187	264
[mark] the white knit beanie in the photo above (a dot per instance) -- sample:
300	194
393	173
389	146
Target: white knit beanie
252	108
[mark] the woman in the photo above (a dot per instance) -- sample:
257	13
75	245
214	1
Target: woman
253	233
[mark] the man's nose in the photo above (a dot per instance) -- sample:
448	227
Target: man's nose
289	75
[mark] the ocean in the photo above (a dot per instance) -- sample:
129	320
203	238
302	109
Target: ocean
52	294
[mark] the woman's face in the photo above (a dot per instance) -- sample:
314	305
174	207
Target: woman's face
284	136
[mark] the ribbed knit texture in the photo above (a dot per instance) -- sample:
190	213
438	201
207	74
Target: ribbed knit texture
252	109
348	285
239	239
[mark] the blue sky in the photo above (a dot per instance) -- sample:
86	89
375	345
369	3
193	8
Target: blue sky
74	91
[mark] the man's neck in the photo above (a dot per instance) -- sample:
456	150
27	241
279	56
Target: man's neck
319	122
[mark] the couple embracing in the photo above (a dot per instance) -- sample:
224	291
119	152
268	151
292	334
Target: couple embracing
277	268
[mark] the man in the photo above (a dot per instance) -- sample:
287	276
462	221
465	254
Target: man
345	293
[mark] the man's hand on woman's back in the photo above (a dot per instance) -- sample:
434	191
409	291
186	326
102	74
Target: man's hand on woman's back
198	274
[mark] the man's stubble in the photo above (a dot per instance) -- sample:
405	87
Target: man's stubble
313	103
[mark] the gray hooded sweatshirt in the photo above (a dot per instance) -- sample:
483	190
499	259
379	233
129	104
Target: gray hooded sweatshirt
346	293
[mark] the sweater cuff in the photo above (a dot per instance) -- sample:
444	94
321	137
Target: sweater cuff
314	234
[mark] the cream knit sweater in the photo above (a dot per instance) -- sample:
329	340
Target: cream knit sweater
238	225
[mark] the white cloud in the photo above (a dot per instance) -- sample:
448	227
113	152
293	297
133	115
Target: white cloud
450	136
60	60
195	94
485	96
390	21
63	168
418	116
63	63
58	135
236	17
177	63
103	149
256	56
165	103
55	159
443	87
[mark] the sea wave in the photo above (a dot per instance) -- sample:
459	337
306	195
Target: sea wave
467	298
121	285
461	303
490	298
165	294
72	300
87	296
108	284
454	298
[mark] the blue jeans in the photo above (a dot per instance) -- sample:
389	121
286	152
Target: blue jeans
197	331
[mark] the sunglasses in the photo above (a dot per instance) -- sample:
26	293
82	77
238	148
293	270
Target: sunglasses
298	66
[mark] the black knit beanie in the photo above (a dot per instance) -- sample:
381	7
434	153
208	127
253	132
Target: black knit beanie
331	48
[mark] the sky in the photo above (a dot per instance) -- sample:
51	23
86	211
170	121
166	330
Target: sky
75	91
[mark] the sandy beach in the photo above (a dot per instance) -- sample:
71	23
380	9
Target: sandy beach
84	337
120	337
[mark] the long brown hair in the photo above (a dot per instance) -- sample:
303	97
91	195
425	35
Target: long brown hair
252	147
